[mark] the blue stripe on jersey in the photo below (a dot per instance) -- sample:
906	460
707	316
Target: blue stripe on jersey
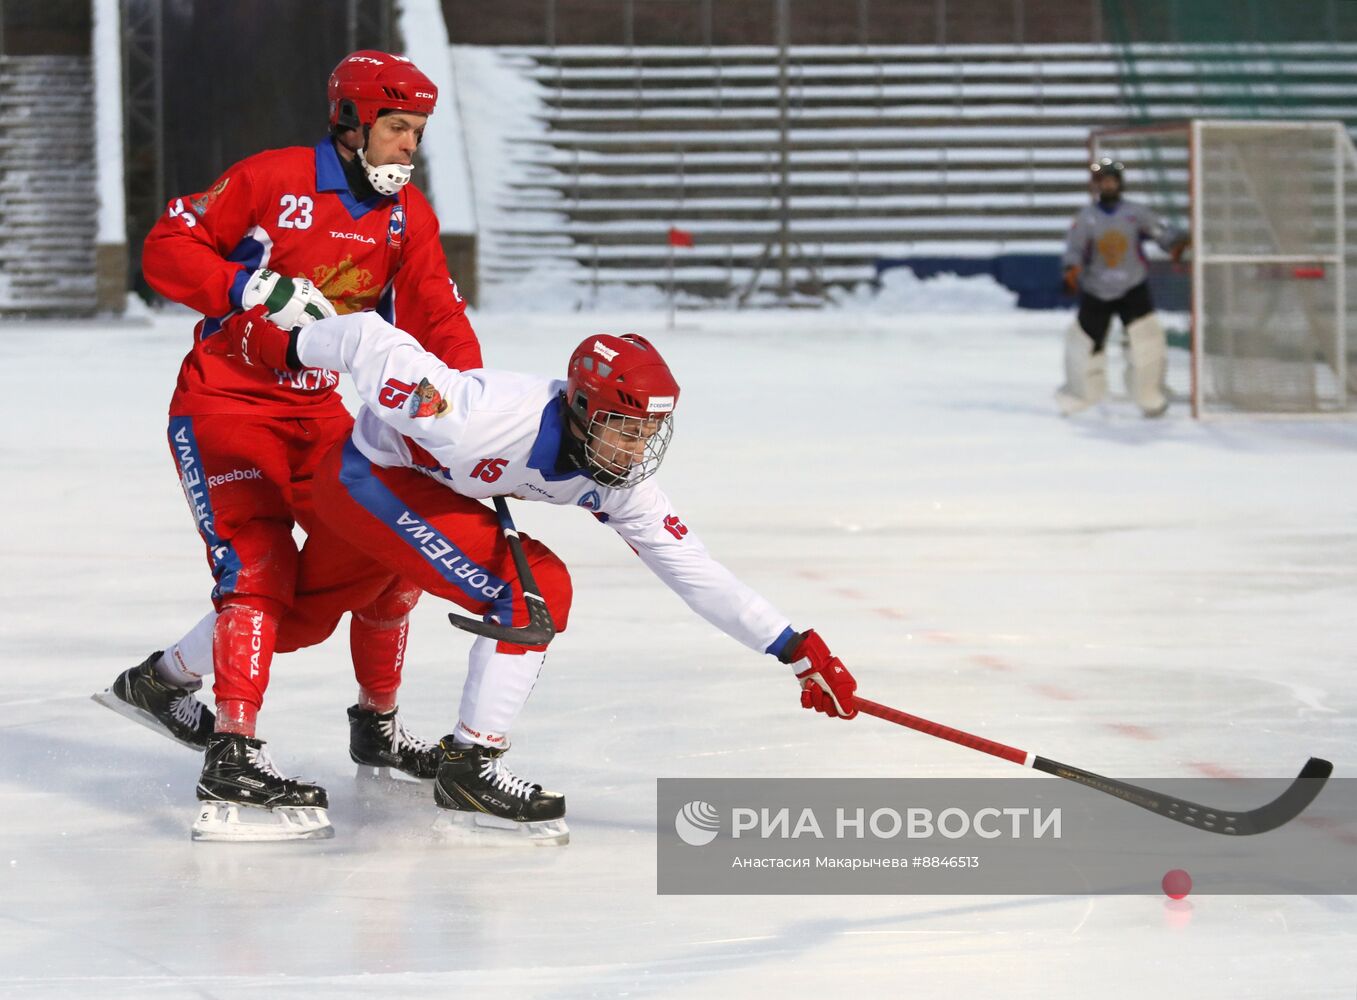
249	252
547	447
447	559
225	561
776	647
330	177
237	290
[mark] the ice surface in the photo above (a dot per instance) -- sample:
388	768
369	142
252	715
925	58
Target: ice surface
1140	598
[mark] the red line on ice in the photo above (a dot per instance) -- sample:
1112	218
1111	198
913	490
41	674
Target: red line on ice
1051	691
1133	731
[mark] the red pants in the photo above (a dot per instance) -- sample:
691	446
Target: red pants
415	529
247	480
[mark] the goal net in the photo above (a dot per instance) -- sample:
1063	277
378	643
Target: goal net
1273	247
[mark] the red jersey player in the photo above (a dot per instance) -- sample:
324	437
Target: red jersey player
306	232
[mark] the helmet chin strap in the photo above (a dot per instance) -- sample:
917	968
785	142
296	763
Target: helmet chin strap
387	179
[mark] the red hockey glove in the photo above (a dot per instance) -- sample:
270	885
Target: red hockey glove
252	340
826	684
1072	279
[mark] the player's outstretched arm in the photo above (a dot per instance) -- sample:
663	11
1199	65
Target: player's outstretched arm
826	684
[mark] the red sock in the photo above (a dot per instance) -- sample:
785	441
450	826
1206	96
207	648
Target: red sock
378	658
242	650
236	717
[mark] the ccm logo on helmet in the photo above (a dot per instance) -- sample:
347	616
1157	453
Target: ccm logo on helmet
366	59
420	93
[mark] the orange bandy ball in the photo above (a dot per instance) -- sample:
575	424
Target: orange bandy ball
1176	884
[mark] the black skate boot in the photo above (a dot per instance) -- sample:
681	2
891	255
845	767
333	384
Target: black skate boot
483	798
379	740
140	695
245	797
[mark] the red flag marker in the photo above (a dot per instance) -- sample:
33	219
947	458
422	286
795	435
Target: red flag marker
680	237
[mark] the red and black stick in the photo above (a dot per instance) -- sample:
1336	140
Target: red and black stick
1286	807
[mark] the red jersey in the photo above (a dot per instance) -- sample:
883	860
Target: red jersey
291	210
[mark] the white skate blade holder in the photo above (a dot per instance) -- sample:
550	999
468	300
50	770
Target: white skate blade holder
230	822
111	701
484	830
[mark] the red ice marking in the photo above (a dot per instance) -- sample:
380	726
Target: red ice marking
1133	731
990	662
1212	770
810	574
891	613
1051	691
940	637
1328	824
850	593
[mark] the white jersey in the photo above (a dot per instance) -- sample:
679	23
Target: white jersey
486	433
1105	240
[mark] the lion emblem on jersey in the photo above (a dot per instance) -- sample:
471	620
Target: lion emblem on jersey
1112	247
347	285
426	401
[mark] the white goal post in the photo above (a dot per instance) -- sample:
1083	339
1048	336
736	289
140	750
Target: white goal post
1273	251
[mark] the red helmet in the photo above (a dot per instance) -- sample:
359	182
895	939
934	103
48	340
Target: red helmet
368	82
621	395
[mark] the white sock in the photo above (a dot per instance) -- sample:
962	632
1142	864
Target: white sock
496	689
185	662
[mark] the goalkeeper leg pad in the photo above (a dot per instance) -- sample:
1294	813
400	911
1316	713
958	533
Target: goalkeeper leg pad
1085	373
1147	362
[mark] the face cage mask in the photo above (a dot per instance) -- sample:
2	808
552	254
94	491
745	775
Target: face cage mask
386	179
619	454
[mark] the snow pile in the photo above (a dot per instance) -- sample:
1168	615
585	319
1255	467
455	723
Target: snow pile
557	288
902	291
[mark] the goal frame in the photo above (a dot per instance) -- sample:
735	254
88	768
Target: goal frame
1189	133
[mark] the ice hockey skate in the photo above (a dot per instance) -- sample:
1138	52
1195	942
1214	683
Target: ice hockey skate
245	799
485	803
140	695
389	758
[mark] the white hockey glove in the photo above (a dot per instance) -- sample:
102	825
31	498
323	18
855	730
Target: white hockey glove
291	302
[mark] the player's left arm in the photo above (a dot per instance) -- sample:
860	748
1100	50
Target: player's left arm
428	303
1153	226
645	518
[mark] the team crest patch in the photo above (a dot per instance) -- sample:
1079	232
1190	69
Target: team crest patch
426	401
395	229
204	201
347	285
1112	247
590	500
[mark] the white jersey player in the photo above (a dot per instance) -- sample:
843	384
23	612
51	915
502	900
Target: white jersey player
1105	265
431	442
